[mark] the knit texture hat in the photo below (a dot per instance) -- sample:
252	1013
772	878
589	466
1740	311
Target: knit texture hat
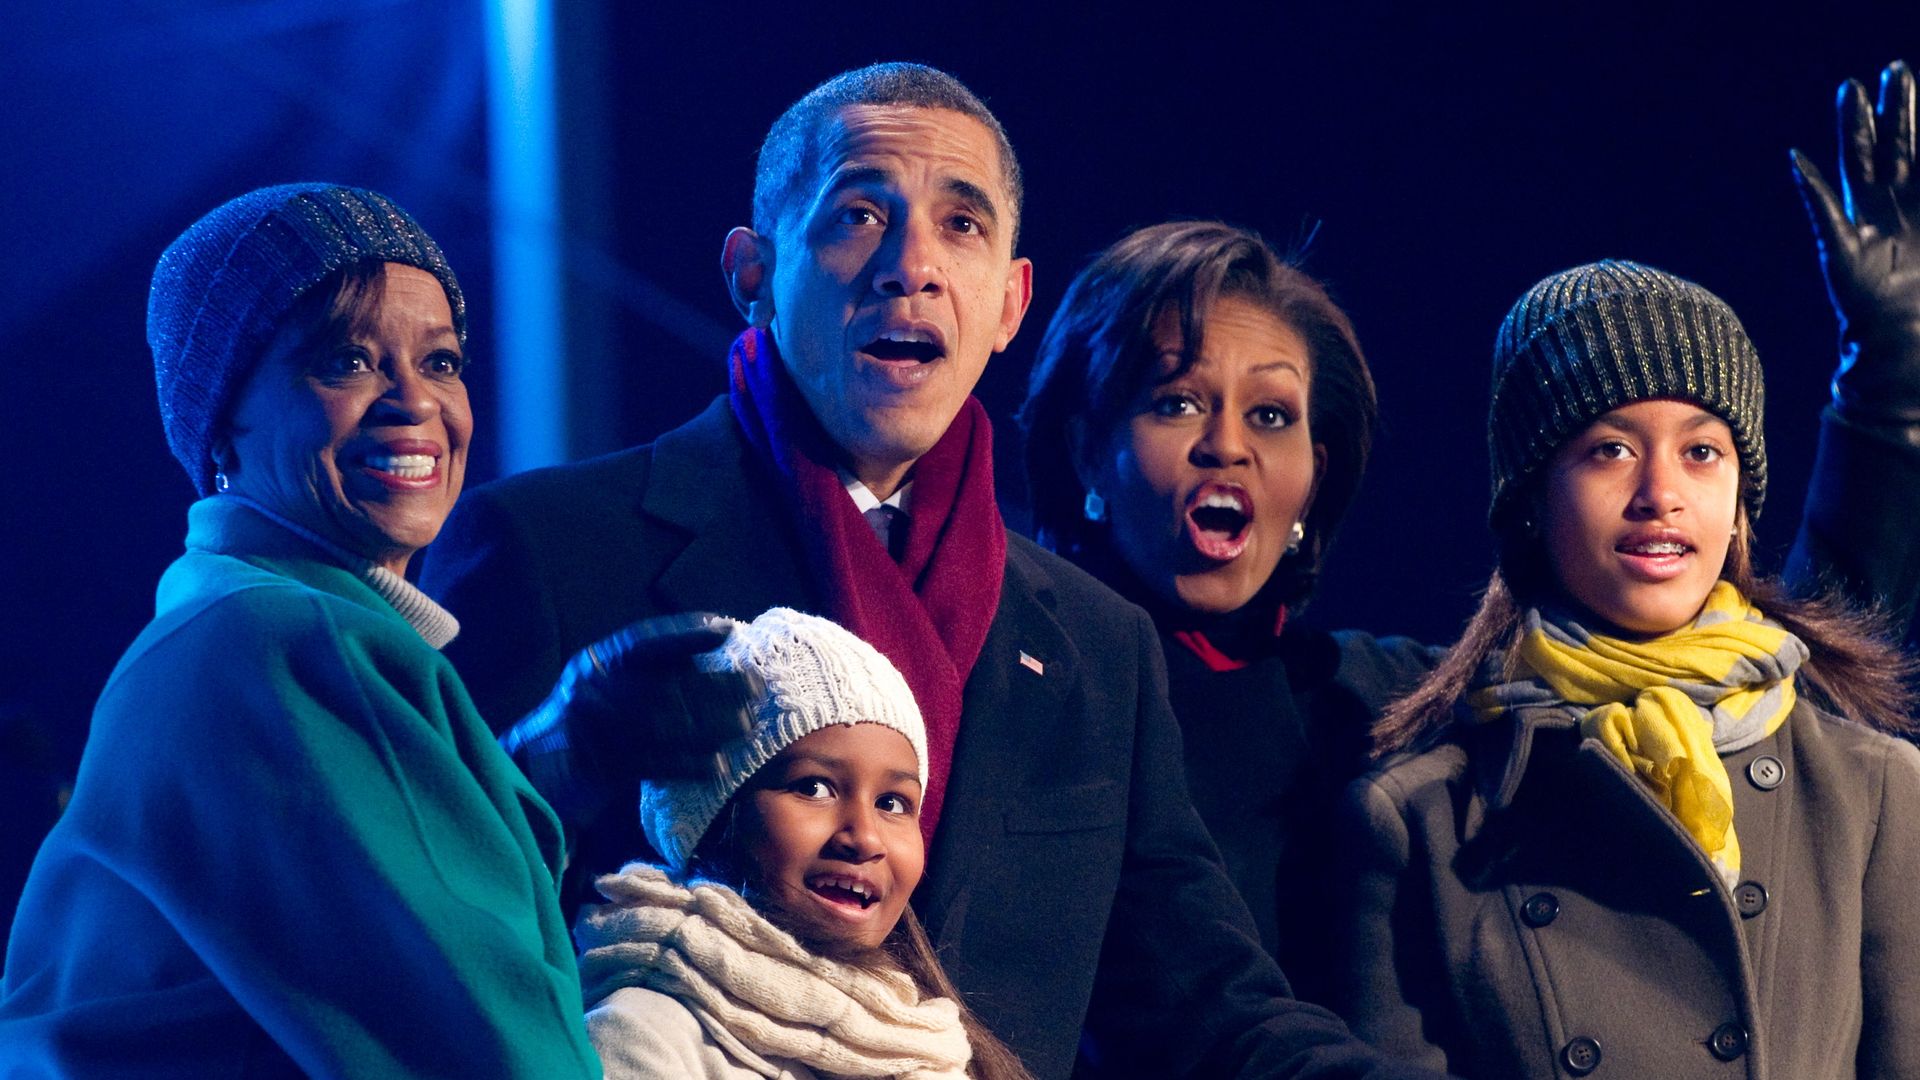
818	674
222	288
1588	340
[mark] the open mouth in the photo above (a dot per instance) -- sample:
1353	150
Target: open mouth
404	466
844	891
1655	560
400	465
1654	549
1219	520
905	346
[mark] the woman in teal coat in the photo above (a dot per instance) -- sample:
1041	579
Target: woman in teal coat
294	847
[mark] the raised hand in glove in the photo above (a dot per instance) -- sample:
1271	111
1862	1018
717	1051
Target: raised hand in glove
633	705
1869	241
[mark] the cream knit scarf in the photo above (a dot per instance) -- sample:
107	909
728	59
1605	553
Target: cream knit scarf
757	989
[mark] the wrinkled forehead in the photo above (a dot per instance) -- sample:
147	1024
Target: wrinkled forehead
901	143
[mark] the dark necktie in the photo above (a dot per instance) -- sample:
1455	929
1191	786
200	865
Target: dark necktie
890	525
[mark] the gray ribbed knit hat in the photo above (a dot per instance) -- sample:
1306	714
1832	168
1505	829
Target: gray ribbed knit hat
222	288
818	674
1591	339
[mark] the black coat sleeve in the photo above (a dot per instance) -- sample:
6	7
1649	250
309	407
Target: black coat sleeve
1184	987
1858	529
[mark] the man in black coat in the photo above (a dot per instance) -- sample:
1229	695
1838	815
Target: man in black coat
1070	883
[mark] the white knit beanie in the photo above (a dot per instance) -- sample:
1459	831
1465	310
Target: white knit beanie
818	674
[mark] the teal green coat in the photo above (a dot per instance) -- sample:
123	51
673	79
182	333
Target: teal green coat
293	848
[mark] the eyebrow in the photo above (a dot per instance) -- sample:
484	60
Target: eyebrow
858	175
838	764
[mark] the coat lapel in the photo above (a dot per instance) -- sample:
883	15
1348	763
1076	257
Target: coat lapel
1005	697
741	556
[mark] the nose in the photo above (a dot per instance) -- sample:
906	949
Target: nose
858	837
1656	492
409	397
910	260
1223	442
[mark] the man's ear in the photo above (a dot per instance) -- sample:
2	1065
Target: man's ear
746	260
1013	306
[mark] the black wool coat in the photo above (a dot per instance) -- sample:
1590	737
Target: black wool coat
1070	884
1269	748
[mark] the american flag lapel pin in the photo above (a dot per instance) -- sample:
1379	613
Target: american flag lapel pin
1027	661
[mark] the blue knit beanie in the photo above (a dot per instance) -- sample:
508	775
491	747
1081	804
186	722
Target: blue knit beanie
222	289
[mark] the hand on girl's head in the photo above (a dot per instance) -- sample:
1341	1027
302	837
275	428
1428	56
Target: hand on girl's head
830	832
1639	511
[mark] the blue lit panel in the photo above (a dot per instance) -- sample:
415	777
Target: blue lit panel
528	309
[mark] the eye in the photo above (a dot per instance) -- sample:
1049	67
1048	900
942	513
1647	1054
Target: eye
1174	404
1704	453
342	362
1610	450
1269	416
445	362
893	803
858	214
811	787
966	223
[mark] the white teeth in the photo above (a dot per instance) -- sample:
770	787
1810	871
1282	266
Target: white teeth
1221	500
405	466
1659	547
853	885
917	336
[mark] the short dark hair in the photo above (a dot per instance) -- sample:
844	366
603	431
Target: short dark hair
1098	354
790	154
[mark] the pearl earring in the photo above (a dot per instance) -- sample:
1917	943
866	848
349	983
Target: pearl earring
1295	537
1095	507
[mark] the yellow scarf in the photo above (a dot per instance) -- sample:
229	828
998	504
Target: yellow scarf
1666	708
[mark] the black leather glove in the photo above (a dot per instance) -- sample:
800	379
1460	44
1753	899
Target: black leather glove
633	705
1869	240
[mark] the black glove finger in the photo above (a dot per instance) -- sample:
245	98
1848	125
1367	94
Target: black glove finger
1831	230
1867	200
664	640
691	715
1895	163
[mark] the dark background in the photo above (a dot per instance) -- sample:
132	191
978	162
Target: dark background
1442	160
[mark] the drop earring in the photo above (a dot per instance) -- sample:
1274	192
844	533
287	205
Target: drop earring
1295	537
220	482
1095	507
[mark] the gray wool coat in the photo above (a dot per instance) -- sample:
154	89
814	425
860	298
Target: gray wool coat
1521	907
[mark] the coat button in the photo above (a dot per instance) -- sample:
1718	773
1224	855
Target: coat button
1750	897
1540	909
1766	772
1582	1055
1728	1041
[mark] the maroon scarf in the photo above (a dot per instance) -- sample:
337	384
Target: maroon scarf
929	612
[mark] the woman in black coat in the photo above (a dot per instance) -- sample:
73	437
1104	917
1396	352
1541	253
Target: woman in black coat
1196	425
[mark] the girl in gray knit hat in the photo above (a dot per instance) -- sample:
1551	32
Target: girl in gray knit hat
774	939
294	848
1649	815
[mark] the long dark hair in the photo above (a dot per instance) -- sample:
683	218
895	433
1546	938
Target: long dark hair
1098	354
1852	668
721	857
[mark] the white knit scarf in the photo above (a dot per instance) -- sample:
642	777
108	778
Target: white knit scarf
755	988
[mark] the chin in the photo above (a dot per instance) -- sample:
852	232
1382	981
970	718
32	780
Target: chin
1204	593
